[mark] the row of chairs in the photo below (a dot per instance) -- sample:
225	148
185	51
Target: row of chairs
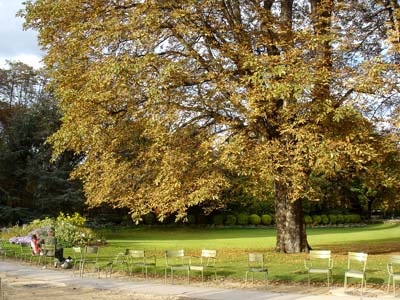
318	262
321	262
175	260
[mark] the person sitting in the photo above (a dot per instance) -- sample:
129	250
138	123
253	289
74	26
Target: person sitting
35	245
59	251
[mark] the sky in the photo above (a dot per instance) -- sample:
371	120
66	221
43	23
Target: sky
15	43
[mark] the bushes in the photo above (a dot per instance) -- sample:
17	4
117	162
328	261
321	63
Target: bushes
255	219
308	220
266	219
218	219
332	219
230	220
316	219
243	219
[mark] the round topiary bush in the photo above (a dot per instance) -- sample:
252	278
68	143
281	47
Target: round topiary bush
340	219
266	219
308	220
355	218
230	220
324	219
332	219
316	219
347	219
243	219
218	219
255	219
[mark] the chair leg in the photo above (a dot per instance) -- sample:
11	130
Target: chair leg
388	286
247	272
345	282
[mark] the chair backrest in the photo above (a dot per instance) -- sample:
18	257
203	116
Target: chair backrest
255	259
320	254
136	253
172	255
91	252
77	252
357	257
209	255
394	260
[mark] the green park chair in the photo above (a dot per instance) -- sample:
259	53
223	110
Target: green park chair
393	268
206	261
175	261
256	264
319	262
139	259
356	267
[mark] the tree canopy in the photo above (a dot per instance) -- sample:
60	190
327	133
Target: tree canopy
167	99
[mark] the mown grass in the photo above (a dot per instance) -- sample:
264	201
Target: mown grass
379	241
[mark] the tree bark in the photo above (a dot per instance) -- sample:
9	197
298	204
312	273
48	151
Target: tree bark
291	231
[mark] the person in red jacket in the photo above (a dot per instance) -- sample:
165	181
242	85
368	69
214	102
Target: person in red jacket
35	245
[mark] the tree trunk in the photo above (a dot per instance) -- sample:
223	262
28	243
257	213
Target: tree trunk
291	231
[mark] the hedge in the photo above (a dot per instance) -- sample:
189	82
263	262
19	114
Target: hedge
243	219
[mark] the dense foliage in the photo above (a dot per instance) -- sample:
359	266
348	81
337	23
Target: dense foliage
30	184
172	101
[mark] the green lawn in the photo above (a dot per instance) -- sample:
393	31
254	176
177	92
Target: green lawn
379	241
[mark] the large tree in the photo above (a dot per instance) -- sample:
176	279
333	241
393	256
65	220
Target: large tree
166	99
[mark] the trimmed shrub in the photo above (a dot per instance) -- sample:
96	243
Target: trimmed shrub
218	219
243	219
149	219
255	219
355	218
266	219
230	220
308	220
347	219
324	219
340	219
332	219
316	219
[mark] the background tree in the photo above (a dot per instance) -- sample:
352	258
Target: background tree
28	179
165	98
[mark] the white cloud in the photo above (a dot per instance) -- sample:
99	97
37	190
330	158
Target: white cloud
16	44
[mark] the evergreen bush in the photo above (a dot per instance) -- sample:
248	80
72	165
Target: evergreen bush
324	219
332	219
230	220
243	219
255	219
347	219
340	219
316	219
266	219
218	219
308	220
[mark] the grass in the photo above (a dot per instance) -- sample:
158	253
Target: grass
379	241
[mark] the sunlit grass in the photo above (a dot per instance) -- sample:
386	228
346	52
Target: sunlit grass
232	244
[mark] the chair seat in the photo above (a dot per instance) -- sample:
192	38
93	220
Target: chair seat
319	270
354	273
178	267
396	276
197	268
